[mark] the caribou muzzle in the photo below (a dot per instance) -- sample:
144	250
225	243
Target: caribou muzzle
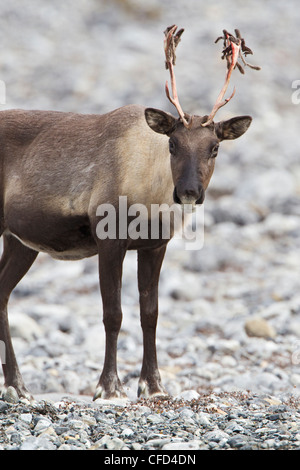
189	196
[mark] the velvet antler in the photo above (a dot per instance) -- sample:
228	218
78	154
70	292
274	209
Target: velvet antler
171	41
232	51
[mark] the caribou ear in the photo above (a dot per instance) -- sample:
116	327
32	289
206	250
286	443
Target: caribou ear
159	121
233	128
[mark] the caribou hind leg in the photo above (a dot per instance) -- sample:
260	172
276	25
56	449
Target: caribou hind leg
15	261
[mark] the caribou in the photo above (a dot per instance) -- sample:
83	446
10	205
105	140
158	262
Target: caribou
57	168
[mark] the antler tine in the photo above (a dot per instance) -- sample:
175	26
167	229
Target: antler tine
171	41
233	48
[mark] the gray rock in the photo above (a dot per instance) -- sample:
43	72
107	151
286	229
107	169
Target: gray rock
127	432
115	444
188	395
37	443
216	436
42	424
186	413
238	442
26	417
191	445
22	326
155	419
10	395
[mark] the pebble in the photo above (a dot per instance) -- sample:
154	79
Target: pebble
10	395
228	335
259	327
26	417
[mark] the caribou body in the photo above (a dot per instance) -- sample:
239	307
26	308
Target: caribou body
57	168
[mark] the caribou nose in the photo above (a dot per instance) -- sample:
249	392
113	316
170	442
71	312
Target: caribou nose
189	195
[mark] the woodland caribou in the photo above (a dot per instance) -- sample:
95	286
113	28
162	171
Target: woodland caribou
57	168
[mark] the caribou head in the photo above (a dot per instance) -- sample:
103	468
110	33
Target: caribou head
194	140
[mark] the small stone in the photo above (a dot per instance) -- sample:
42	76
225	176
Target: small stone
234	427
37	443
260	328
157	443
42	424
275	417
237	441
155	419
186	413
127	432
10	395
89	420
115	444
76	424
3	407
16	438
26	417
65	447
203	419
216	435
136	446
61	430
103	443
228	361
190	445
188	395
23	326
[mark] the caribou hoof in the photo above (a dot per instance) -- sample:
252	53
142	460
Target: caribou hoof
12	394
108	393
147	391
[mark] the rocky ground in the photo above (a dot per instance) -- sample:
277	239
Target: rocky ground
192	422
229	330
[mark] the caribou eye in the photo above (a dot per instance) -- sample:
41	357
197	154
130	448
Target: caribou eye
171	146
214	151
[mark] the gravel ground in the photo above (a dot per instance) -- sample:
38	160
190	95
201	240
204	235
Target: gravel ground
191	422
229	330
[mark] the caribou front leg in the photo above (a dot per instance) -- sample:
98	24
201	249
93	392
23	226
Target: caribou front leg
149	265
111	256
15	262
